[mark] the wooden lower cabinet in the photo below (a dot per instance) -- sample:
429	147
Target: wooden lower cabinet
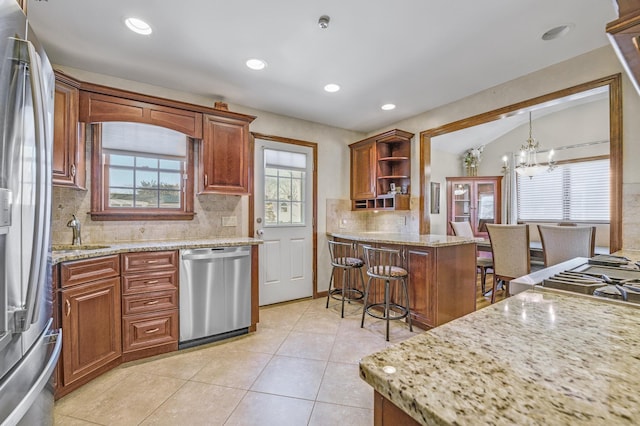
386	413
91	337
422	289
149	304
145	330
442	283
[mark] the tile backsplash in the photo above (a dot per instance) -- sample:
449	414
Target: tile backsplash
340	218
210	210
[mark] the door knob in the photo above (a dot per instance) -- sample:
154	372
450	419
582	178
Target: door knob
260	232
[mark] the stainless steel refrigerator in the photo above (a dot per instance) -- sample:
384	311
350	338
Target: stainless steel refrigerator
29	348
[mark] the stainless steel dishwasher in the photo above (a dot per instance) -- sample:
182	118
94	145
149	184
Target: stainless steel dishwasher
215	294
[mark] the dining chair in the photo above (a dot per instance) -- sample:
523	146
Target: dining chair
560	243
511	257
463	229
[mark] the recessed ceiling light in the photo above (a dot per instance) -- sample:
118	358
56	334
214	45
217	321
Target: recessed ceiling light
388	107
557	32
256	64
138	26
331	87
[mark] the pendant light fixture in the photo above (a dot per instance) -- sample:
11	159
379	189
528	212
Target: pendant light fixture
528	159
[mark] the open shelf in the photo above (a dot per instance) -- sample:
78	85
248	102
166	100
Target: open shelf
383	202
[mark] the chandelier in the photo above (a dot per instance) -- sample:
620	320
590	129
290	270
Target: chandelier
528	160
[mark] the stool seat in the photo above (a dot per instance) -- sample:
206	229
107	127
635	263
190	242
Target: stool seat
382	271
382	266
354	262
344	256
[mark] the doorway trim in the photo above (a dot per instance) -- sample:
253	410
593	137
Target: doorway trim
615	147
314	207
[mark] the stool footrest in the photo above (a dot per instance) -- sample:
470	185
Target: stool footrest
392	306
350	294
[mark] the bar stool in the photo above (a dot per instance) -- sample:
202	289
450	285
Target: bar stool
381	265
345	257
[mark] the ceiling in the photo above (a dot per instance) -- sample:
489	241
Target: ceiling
418	56
459	141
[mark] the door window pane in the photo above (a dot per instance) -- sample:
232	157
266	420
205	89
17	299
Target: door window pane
284	195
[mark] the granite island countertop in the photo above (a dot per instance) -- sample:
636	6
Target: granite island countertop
58	256
540	357
426	240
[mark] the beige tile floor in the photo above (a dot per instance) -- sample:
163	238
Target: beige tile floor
299	368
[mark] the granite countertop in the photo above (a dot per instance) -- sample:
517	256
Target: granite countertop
541	357
58	256
427	240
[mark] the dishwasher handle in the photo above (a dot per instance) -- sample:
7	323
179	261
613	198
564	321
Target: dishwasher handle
215	255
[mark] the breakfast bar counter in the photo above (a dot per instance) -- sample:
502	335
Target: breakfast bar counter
441	268
540	357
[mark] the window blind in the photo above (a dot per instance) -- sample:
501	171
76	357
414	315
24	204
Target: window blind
577	192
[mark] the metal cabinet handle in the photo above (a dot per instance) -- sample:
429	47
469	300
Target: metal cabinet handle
153	330
152	261
153	302
68	305
206	180
152	282
73	170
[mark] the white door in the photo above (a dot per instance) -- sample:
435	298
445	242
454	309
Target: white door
283	216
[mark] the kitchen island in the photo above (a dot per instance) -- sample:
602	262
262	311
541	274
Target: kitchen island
442	272
540	357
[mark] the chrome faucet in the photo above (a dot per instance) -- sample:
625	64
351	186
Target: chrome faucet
75	225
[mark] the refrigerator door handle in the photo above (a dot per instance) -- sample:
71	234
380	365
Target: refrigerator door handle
29	315
54	336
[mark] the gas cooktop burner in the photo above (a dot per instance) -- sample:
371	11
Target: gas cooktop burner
614	283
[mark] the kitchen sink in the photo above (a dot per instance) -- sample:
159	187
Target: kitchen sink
68	248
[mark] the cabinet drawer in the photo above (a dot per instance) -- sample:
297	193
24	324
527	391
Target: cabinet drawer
147	330
149	302
153	281
149	261
86	270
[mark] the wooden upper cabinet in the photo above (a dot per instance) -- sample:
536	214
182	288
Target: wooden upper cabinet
224	156
624	34
97	107
379	164
68	162
363	166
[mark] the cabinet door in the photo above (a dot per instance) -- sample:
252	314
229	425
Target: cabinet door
68	162
461	202
224	156
422	286
486	206
363	166
90	316
476	200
